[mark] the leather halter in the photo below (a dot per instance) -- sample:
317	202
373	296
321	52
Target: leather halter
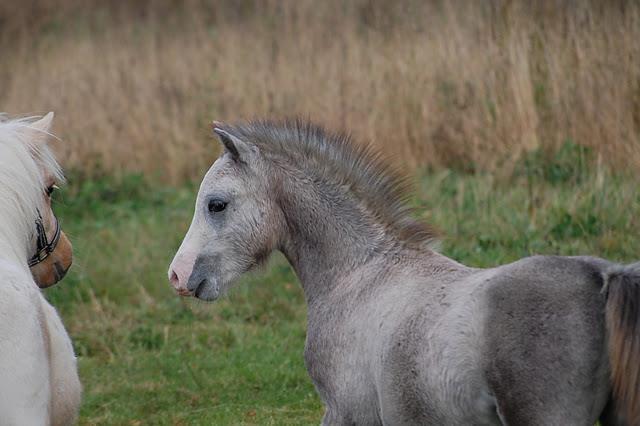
44	246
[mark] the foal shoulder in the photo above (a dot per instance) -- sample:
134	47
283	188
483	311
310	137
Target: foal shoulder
20	302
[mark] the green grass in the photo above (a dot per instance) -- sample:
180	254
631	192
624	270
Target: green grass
148	357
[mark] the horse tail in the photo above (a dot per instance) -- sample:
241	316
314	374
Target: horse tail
622	318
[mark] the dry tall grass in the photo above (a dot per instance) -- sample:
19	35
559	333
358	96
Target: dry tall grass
463	84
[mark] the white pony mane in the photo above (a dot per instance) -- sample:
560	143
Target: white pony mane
25	158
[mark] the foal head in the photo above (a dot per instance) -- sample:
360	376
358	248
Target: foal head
236	223
291	186
27	184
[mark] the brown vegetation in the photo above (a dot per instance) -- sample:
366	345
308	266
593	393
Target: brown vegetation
462	84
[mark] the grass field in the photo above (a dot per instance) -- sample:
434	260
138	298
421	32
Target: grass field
148	357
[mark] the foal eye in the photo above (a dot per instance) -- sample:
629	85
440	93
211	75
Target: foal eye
216	206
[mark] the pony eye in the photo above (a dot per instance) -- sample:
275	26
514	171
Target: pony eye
216	206
50	190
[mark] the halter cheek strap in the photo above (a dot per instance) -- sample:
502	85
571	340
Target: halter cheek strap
44	247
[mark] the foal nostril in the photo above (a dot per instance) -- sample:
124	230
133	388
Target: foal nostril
201	286
174	279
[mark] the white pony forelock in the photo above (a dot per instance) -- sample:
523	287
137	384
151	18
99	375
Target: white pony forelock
25	158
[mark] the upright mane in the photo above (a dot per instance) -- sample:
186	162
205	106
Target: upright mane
334	158
24	160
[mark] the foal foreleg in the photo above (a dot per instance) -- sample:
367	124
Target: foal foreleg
333	417
25	390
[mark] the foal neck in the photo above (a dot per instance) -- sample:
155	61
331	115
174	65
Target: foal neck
13	246
328	234
17	222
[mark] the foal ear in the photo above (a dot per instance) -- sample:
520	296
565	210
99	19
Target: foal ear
232	144
41	129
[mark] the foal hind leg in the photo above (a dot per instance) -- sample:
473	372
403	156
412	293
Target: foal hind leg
554	399
546	346
547	385
525	413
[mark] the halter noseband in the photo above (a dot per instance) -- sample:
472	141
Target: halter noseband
44	246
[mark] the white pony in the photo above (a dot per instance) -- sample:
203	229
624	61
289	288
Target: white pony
39	382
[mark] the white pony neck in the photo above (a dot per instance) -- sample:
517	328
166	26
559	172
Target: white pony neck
24	156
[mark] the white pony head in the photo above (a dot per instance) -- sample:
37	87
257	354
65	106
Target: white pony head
29	231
